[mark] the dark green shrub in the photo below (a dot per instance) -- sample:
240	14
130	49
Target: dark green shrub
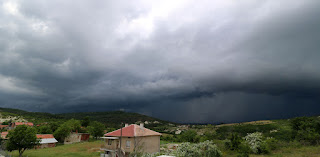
282	135
234	142
264	148
272	143
244	150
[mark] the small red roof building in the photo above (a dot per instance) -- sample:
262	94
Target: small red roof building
44	136
46	140
133	130
23	123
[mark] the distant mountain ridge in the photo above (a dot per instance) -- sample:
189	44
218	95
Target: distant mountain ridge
110	118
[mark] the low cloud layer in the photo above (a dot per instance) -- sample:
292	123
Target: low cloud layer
183	61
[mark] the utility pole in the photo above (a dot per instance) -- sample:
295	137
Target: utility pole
121	140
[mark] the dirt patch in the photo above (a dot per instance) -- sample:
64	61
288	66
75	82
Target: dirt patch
260	122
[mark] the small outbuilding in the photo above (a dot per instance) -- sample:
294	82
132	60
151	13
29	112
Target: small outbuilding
75	137
46	140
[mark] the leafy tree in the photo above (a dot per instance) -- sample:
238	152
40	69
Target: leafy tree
54	126
75	125
66	128
22	138
86	121
96	129
62	132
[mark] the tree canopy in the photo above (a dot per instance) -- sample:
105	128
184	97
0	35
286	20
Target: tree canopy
66	128
96	129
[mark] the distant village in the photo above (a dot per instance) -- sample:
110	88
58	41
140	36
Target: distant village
45	140
119	143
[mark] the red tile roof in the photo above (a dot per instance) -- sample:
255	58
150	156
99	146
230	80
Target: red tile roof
132	131
3	126
23	123
44	136
4	135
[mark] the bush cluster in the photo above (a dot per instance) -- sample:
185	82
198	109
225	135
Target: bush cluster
204	149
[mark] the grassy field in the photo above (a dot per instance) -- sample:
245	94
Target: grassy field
309	151
303	151
91	149
84	149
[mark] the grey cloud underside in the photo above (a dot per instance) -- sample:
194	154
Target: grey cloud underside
196	63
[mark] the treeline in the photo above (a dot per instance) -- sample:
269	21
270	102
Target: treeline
114	118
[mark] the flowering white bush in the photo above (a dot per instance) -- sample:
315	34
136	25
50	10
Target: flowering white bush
254	140
188	149
203	149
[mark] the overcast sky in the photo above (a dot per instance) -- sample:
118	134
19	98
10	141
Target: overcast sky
183	61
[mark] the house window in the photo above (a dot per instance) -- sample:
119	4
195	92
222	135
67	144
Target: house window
128	144
109	142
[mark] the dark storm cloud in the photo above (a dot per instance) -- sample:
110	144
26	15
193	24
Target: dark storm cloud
183	61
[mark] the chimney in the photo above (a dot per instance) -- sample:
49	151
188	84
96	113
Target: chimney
141	125
125	125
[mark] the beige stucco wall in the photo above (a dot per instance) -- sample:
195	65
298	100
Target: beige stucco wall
147	144
124	141
113	146
72	138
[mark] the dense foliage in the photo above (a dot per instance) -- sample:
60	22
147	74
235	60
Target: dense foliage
96	129
44	129
306	130
86	121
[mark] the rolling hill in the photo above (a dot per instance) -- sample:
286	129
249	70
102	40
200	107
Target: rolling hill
110	119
